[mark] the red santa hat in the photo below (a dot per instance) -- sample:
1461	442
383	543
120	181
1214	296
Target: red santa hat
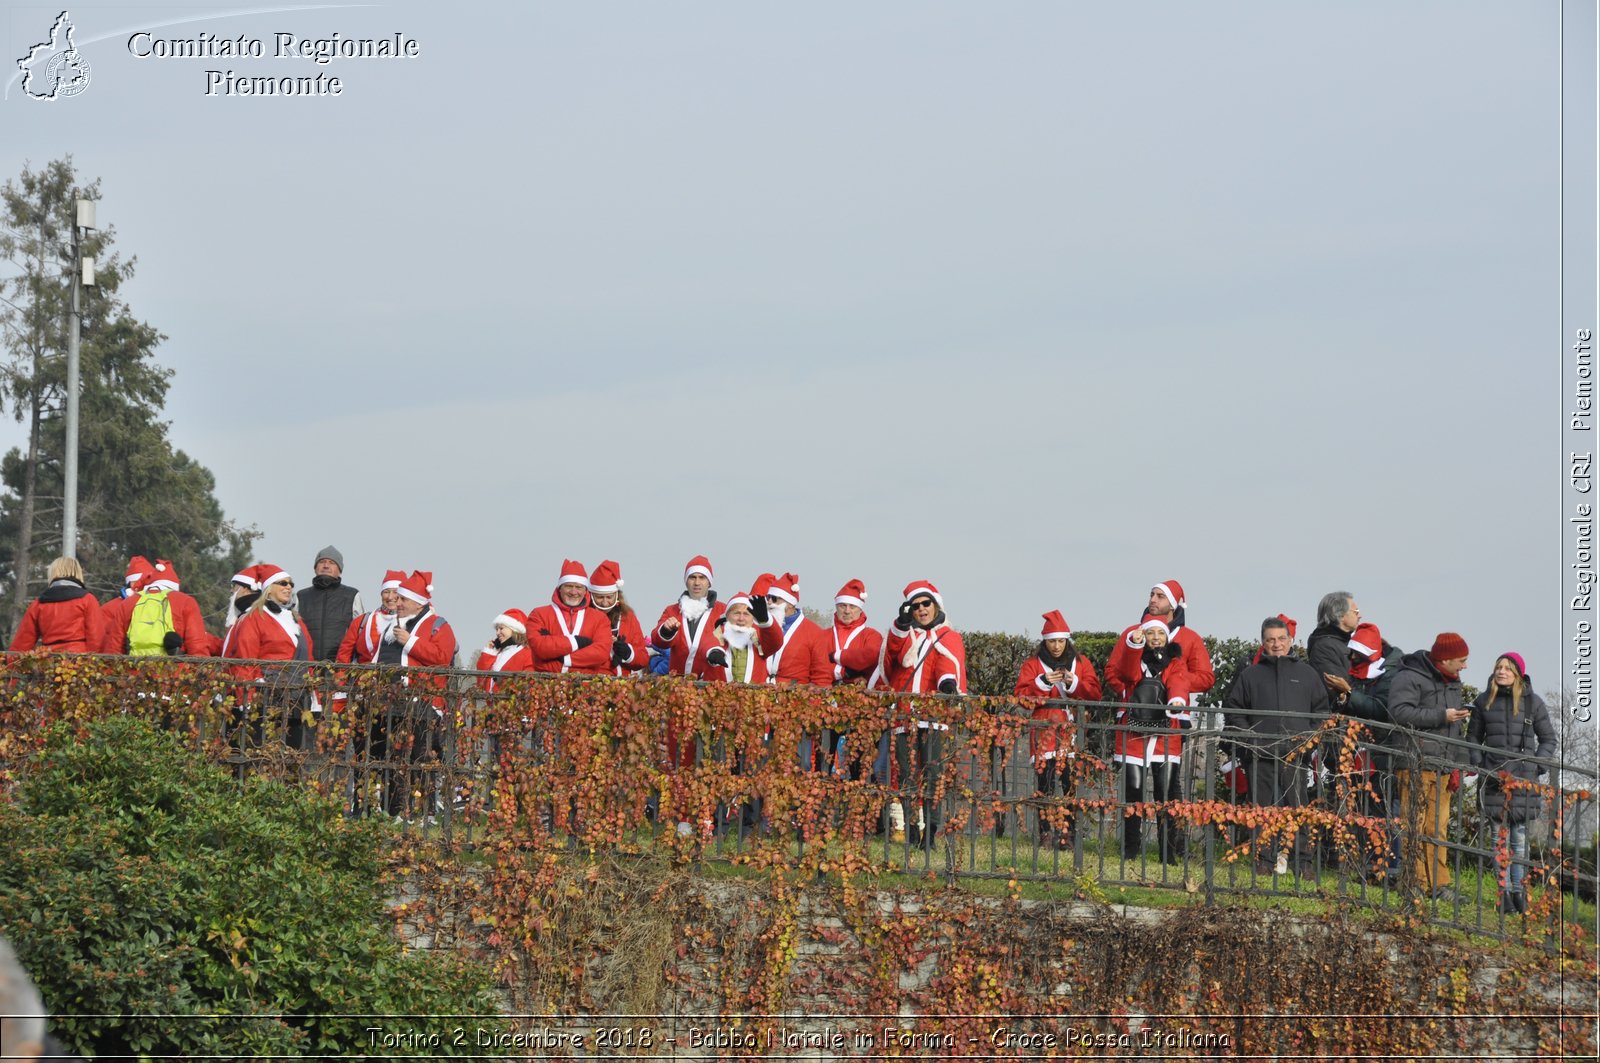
1366	640
1154	623
741	598
787	587
852	593
163	577
919	587
1174	592
140	572
515	619
418	587
267	575
698	563
606	578
573	572
1055	626
392	580
246	578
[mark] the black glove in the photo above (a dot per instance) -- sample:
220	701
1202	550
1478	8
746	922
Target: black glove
903	621
758	609
621	653
833	658
717	656
947	685
172	644
583	641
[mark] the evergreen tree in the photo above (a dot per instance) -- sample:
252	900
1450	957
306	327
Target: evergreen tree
136	494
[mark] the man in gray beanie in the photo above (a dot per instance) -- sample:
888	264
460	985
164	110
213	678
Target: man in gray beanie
328	606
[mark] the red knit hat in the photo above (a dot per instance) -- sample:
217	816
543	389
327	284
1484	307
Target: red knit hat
701	564
852	593
1055	626
606	578
1447	646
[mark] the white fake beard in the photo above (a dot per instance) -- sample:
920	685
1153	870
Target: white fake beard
739	638
693	608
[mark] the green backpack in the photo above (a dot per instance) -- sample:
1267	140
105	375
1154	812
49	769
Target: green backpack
149	623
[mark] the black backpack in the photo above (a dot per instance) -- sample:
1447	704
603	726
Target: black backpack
1147	702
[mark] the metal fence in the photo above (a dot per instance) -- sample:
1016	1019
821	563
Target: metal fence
957	787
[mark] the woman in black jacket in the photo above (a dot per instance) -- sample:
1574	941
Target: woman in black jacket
1509	725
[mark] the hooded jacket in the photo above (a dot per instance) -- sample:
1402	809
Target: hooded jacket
64	619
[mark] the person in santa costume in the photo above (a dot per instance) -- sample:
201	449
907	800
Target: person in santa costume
923	654
272	631
188	637
629	654
368	637
243	590
507	651
568	635
1056	671
418	638
736	658
684	634
796	648
65	618
1149	675
854	655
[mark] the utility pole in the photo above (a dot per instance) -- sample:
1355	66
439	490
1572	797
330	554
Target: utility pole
82	274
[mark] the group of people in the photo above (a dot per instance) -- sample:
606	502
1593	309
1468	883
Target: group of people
1157	670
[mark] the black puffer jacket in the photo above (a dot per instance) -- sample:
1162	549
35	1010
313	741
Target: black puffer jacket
1287	688
1504	742
1328	650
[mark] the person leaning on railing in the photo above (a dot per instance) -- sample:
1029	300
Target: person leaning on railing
1510	724
1426	698
1056	671
923	654
1150	676
1364	694
272	631
65	618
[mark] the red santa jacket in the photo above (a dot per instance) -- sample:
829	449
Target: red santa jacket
186	621
917	661
856	648
64	619
364	638
266	635
686	651
798	655
1123	672
628	632
1080	684
553	633
755	667
432	645
511	658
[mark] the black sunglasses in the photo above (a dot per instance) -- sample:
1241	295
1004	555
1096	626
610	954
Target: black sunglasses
923	603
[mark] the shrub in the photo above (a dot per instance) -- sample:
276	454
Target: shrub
141	882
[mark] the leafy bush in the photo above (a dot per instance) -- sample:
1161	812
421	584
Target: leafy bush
140	881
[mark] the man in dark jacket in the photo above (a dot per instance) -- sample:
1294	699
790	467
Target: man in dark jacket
1327	648
1426	698
1287	700
328	606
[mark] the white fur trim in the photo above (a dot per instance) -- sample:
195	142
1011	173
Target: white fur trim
406	592
1154	623
279	578
163	585
1056	635
692	569
515	625
846	599
1364	650
612	589
779	592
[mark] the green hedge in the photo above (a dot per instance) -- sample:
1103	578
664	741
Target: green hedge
140	881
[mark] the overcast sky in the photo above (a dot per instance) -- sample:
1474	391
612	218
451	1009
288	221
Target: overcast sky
1041	301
